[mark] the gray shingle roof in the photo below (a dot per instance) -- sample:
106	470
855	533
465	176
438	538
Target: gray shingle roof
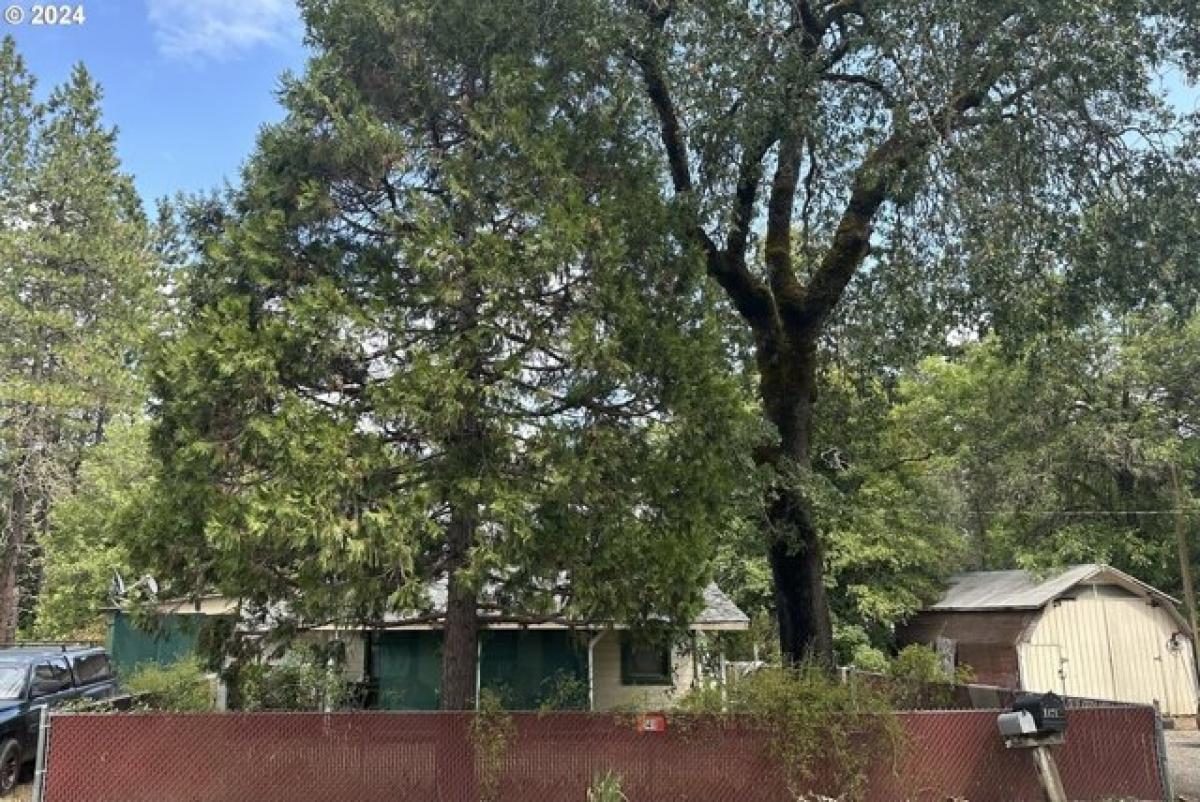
1022	590
720	609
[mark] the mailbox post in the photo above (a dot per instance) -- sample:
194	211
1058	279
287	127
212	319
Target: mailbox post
1036	722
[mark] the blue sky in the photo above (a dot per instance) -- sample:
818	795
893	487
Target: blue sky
188	83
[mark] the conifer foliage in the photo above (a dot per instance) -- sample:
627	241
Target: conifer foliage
76	292
440	337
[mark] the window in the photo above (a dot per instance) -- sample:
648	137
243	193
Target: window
92	668
644	663
12	682
51	677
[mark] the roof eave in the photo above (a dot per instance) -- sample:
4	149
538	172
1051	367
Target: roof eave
1000	608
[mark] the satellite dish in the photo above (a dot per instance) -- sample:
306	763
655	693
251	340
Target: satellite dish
150	583
116	588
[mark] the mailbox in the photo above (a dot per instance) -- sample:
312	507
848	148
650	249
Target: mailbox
1047	710
1016	724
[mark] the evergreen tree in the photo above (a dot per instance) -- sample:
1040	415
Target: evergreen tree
431	340
75	290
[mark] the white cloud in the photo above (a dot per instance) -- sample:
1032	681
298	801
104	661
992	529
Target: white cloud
221	29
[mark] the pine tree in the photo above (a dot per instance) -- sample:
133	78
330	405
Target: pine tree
75	293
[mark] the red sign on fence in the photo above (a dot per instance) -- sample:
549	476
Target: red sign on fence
651	722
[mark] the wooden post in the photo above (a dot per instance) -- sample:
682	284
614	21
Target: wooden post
1047	771
1185	569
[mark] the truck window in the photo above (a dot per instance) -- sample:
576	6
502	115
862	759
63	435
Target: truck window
91	668
50	677
12	682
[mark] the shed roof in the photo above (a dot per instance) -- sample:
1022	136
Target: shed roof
1022	590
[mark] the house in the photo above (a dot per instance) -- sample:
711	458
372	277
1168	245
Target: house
584	664
1087	630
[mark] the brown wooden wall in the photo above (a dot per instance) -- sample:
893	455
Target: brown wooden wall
985	640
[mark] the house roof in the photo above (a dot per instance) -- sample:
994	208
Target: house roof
719	613
1022	590
720	609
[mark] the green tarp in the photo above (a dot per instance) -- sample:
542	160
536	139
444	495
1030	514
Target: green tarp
535	668
407	667
172	639
526	669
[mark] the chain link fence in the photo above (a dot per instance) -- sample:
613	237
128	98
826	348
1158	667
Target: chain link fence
1110	753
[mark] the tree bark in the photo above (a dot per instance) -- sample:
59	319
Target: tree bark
788	386
10	565
460	629
786	314
465	457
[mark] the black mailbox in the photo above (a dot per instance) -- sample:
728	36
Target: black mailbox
1047	710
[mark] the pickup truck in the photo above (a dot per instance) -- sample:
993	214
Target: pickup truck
36	676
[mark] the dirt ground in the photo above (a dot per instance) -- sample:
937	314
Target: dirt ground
1183	759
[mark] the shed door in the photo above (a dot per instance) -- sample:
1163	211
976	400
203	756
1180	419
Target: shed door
1138	659
1042	667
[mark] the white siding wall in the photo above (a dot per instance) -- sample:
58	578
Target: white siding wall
610	694
355	649
1108	643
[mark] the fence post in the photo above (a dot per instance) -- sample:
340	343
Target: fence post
1160	746
39	771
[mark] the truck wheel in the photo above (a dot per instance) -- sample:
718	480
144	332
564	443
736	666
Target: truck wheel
10	766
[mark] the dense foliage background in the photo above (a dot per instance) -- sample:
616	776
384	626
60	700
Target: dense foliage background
577	306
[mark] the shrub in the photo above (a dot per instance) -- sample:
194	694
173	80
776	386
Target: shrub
297	683
820	729
492	730
708	698
180	687
563	691
919	678
606	788
868	658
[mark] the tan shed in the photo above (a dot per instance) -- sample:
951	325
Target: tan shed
1089	630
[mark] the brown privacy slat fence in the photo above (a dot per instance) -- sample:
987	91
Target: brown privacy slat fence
1110	753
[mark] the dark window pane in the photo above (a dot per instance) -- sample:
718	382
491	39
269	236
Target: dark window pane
51	677
92	668
645	664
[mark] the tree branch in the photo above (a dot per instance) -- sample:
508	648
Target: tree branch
873	181
873	84
836	12
671	134
778	251
746	194
747	294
